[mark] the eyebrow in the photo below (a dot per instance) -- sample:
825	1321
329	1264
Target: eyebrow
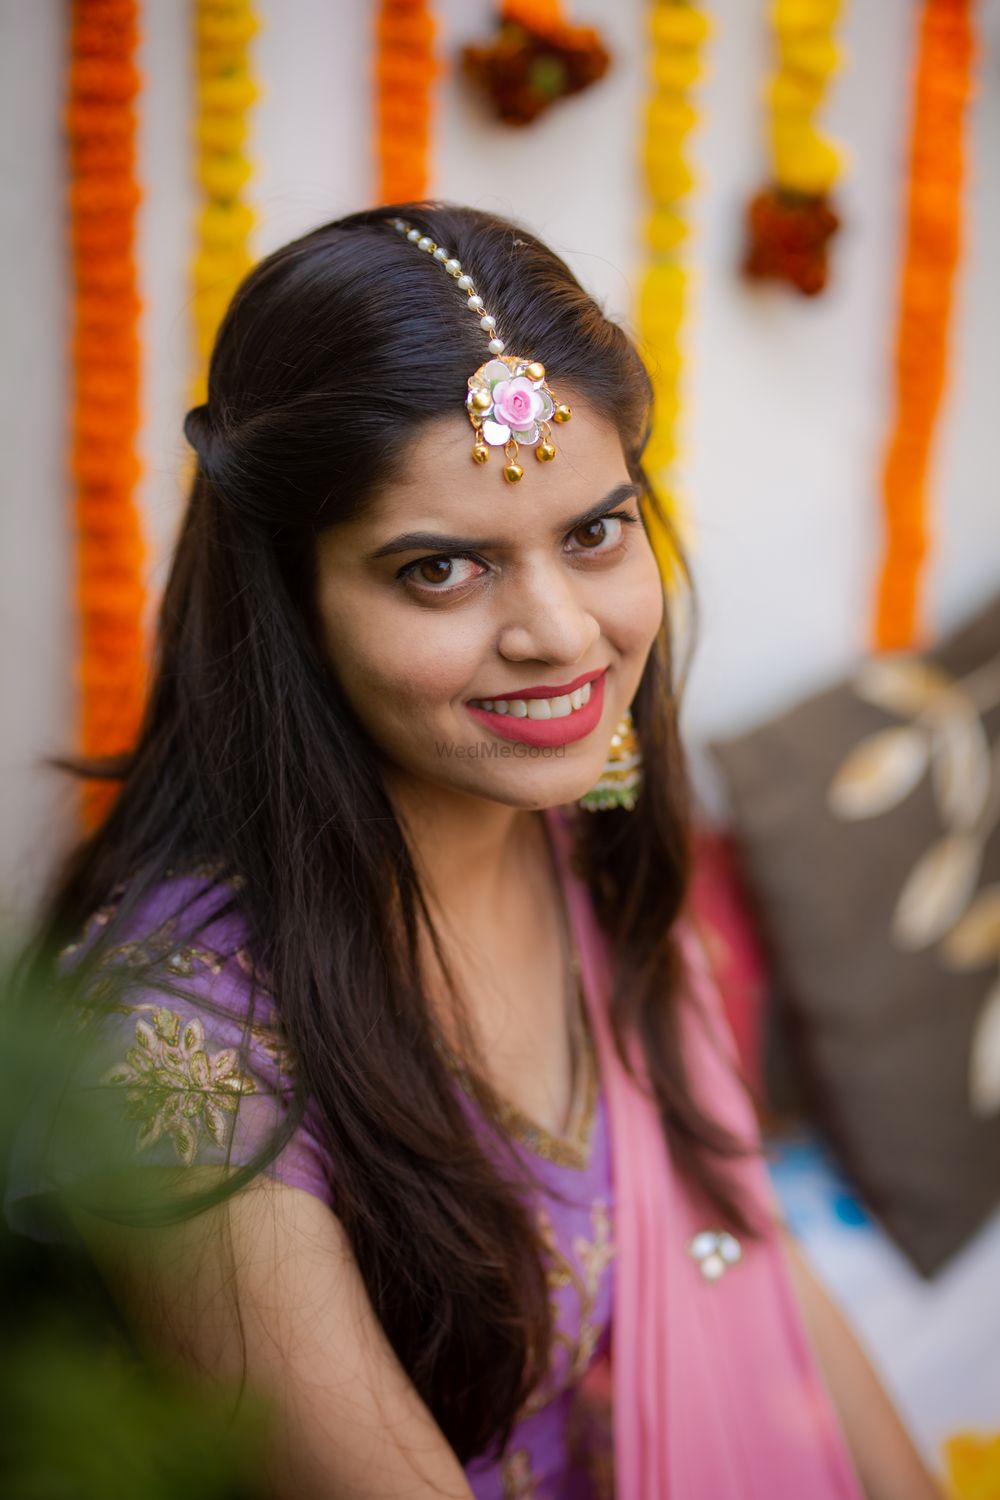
437	541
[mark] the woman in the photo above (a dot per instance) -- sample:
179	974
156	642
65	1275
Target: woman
385	921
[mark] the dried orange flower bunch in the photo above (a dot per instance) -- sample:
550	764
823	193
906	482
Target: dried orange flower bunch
535	58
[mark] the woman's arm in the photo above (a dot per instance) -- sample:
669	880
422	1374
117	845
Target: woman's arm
889	1466
349	1423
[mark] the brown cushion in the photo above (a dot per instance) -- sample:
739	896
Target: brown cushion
890	1006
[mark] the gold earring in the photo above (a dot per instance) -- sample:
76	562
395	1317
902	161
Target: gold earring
621	780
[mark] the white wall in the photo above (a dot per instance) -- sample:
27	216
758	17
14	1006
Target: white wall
787	399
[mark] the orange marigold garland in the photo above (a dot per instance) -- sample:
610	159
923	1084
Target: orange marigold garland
791	222
224	93
678	32
943	85
405	71
535	57
100	122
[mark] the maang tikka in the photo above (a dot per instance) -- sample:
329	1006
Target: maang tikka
509	403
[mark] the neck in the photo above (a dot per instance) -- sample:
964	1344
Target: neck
470	853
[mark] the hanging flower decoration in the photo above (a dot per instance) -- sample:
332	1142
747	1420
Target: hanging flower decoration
678	32
405	71
536	57
791	222
942	87
100	122
224	93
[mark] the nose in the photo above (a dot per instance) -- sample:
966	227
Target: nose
545	618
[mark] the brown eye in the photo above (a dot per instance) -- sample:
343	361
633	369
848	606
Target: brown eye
439	575
435	570
603	535
593	532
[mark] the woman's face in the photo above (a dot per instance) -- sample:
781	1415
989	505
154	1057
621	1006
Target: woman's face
536	593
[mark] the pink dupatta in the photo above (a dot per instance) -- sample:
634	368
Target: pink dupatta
716	1393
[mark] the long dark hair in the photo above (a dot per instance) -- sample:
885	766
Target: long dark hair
250	756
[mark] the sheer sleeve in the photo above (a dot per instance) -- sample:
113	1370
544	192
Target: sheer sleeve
187	1068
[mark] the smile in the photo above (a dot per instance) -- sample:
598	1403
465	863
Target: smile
537	708
558	720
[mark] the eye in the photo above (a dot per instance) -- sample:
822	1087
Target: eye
438	575
596	532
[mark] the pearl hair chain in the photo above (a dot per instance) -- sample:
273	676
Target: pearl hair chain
509	402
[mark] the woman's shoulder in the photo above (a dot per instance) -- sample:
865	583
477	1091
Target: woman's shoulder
181	1038
186	932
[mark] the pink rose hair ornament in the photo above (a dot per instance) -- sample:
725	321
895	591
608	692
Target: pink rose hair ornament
509	403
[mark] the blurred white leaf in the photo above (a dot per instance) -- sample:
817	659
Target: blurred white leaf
879	772
937	891
984	1061
975	939
961	767
901	684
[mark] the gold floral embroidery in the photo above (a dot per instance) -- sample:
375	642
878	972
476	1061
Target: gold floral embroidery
574	1149
175	1087
571	1150
270	1040
185	960
519	1482
593	1256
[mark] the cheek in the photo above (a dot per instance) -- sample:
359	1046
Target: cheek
635	612
405	670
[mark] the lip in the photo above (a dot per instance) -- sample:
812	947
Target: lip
545	691
548	732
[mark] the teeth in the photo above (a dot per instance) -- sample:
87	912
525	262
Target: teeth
538	708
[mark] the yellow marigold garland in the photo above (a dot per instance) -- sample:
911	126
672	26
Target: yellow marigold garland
791	221
224	93
100	122
405	70
678	31
943	84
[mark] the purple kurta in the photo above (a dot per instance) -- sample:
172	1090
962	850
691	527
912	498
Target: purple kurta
183	1094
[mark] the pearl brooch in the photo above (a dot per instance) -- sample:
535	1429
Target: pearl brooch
715	1250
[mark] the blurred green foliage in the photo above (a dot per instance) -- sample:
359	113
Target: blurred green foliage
83	1414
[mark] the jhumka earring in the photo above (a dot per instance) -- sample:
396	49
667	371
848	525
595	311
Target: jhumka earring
621	780
509	402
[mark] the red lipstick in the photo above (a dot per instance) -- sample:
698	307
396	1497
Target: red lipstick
545	690
547	732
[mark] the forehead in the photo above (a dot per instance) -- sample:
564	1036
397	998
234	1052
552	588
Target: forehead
439	482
